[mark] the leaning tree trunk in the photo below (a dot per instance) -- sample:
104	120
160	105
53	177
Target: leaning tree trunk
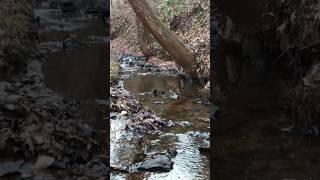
166	38
144	39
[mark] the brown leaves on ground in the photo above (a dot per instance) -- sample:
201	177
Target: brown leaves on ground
191	26
140	119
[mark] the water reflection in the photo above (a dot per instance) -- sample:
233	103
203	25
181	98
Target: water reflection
187	109
250	145
81	74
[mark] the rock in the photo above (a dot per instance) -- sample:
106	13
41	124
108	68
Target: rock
214	112
9	167
158	102
10	107
13	98
162	163
185	124
2	87
43	162
311	131
204	150
68	7
155	92
172	95
26	170
86	130
123	113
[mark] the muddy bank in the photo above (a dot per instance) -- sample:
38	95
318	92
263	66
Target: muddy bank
44	135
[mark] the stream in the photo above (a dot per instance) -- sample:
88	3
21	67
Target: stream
77	71
180	102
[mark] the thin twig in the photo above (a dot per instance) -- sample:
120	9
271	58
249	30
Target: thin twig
283	53
310	45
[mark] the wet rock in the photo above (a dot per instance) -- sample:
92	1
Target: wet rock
54	4
26	170
311	131
10	107
204	150
9	167
162	163
96	168
13	98
158	102
43	162
171	95
123	113
83	178
185	124
214	111
44	177
157	92
70	43
68	7
3	86
100	12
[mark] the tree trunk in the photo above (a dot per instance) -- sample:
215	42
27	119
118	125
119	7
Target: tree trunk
166	38
144	39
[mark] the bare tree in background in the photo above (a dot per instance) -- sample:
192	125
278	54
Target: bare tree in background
165	37
144	39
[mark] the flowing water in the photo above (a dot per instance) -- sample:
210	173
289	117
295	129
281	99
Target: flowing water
190	132
249	143
263	144
77	72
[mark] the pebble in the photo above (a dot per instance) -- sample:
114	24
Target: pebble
10	107
124	113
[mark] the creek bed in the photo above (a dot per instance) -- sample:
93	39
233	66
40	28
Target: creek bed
176	99
77	72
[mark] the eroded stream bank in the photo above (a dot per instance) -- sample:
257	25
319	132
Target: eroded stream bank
153	111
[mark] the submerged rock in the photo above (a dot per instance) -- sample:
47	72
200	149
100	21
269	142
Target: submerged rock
204	150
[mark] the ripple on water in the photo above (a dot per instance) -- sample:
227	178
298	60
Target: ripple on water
186	135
